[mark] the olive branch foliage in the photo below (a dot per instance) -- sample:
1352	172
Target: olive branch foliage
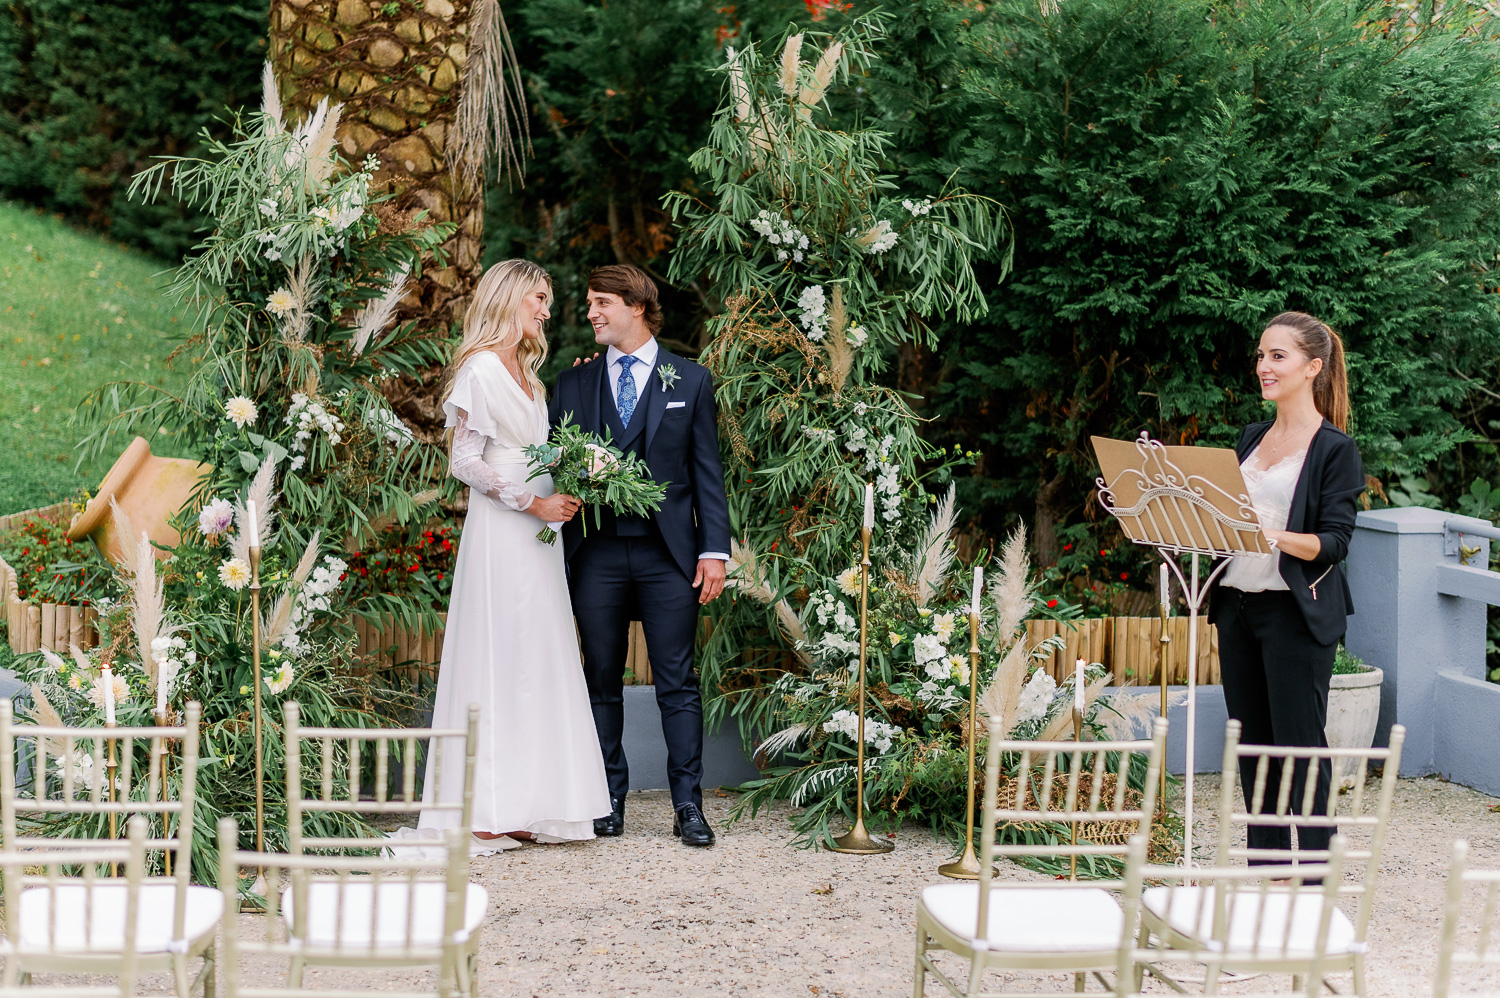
827	272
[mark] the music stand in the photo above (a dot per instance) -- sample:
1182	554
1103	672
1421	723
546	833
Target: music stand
1181	500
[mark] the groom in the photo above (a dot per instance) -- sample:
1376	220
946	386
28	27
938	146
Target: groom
658	569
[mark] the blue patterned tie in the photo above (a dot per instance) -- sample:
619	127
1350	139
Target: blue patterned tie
626	400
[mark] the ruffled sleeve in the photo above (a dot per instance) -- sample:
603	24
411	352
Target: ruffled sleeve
473	389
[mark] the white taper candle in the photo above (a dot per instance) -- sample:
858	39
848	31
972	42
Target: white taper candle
161	692
869	506
1166	591
252	523
978	588
107	682
1078	687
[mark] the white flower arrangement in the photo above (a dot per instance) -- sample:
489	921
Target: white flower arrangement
929	648
216	518
172	655
917	208
241	411
781	233
280	302
879	238
878	734
389	426
820	434
1036	697
281	678
814	304
314	597
943	625
848	581
234	573
857	336
96	689
310	416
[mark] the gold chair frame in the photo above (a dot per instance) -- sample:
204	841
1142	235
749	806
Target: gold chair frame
180	949
340	792
50	872
1485	951
1065	761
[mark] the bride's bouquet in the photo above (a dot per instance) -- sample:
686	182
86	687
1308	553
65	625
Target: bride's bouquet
583	465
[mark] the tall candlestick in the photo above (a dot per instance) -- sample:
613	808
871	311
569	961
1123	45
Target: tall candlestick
978	587
1166	591
252	523
107	678
869	506
1078	687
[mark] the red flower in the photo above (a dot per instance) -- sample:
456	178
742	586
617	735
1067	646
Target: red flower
1052	604
1124	576
773	545
1102	552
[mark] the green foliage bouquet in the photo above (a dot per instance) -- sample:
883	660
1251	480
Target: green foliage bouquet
588	467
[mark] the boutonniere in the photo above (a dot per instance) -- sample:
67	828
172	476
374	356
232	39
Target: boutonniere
668	375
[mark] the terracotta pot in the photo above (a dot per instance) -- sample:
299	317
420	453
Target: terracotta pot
149	489
1353	711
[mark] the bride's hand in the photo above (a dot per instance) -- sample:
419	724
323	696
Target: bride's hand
555	508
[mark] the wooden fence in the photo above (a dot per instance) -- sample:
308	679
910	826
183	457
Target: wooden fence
1128	647
53	626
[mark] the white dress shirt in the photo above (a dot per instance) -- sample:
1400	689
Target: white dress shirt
640	373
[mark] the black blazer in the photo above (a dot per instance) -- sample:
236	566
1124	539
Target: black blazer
1323	504
682	449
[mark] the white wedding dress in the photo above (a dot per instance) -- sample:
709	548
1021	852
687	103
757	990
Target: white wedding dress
511	645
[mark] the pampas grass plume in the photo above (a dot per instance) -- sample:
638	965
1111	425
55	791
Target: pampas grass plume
149	601
262	491
934	554
1012	593
270	101
1003	694
281	616
790	61
124	535
374	317
822	75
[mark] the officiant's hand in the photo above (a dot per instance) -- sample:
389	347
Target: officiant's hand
711	577
557	508
584	360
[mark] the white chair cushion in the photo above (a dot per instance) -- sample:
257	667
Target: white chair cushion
1305	912
97	924
428	901
1031	919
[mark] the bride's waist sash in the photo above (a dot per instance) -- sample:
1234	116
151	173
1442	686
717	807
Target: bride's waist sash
495	456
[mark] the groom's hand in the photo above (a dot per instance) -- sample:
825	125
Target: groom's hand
711	577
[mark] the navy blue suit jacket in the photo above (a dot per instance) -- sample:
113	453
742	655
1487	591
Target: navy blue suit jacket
682	449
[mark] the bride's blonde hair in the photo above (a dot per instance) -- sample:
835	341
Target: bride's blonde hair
490	321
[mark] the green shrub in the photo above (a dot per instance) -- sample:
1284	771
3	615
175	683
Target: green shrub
90	90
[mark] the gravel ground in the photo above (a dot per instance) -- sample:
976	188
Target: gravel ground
642	915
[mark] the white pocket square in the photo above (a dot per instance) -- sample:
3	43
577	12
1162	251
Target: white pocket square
675	405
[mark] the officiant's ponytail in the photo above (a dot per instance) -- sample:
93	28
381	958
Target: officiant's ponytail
1316	338
490	321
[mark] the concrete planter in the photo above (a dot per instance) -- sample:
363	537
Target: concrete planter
1353	711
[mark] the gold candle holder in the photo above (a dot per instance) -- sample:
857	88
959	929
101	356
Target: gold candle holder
1073	825
260	773
966	867
1161	674
857	840
161	777
109	789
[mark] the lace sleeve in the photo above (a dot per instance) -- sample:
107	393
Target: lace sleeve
467	465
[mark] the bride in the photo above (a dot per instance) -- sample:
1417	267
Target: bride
511	645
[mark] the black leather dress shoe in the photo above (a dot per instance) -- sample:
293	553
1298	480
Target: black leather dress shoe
690	826
614	822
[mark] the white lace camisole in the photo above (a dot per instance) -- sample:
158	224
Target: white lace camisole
1271	491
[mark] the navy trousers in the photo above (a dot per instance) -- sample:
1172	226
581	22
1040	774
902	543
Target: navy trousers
614	580
1276	678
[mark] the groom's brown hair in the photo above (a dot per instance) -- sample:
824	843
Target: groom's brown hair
634	288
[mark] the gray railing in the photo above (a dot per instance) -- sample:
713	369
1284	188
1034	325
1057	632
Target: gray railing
1421	595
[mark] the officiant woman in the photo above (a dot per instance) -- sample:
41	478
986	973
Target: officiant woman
1281	615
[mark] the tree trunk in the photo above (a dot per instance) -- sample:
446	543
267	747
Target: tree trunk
395	67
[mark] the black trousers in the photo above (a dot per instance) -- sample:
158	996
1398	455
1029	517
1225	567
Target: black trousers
614	580
1276	678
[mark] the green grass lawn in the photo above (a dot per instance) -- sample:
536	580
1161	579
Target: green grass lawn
76	312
